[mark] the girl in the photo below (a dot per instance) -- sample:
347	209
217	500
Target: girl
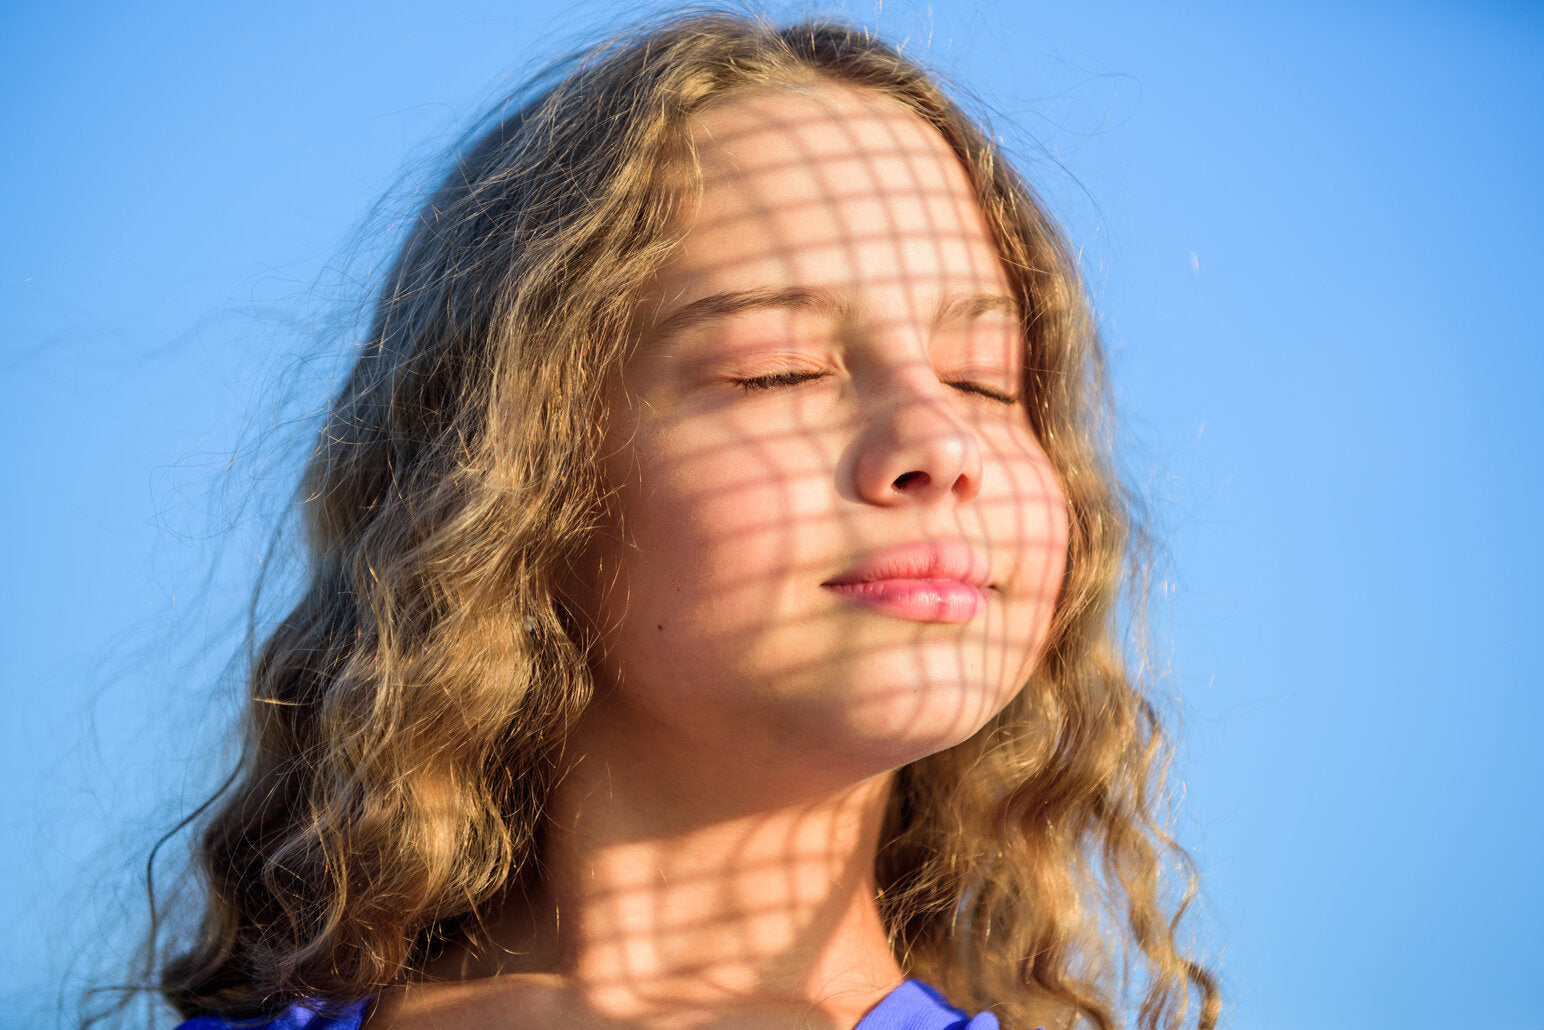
710	619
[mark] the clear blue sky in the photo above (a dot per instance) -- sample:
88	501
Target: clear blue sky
1311	230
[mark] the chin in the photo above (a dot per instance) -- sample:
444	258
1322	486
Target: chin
894	721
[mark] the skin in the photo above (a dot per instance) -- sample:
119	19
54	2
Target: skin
831	365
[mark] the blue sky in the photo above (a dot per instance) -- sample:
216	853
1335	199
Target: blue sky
1310	231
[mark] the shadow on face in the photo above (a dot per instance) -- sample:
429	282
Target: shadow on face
840	542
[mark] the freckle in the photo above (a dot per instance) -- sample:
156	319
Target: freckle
660	627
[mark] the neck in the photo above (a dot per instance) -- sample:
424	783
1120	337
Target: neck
664	895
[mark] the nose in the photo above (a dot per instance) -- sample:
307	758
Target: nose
916	447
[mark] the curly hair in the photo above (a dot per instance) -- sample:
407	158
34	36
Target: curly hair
406	719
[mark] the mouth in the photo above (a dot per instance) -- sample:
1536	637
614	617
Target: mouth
935	581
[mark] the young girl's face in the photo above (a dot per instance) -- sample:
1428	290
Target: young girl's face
841	543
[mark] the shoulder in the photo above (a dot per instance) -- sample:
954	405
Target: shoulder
478	1004
302	1015
911	1006
916	1006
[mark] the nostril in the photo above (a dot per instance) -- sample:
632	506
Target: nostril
908	480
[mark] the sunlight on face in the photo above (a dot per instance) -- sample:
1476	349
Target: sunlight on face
841	543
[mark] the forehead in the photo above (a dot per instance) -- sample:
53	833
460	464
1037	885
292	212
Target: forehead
830	187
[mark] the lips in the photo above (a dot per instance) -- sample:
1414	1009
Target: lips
935	581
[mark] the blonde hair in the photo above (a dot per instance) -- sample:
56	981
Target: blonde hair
407	718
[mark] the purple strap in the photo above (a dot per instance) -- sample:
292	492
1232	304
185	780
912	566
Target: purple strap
302	1015
916	1006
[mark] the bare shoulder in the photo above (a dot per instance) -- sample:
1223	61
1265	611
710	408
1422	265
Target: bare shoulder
495	1003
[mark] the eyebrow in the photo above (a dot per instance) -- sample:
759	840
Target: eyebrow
956	307
733	302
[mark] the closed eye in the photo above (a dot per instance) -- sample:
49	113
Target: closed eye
982	390
777	379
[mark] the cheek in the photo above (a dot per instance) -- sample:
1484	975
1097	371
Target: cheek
1025	520
733	510
1039	524
711	525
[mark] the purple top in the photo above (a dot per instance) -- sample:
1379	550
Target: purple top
916	1006
912	1006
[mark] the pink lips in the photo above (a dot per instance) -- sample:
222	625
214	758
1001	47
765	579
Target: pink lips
937	581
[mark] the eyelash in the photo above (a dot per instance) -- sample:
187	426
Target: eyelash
980	390
756	384
776	379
